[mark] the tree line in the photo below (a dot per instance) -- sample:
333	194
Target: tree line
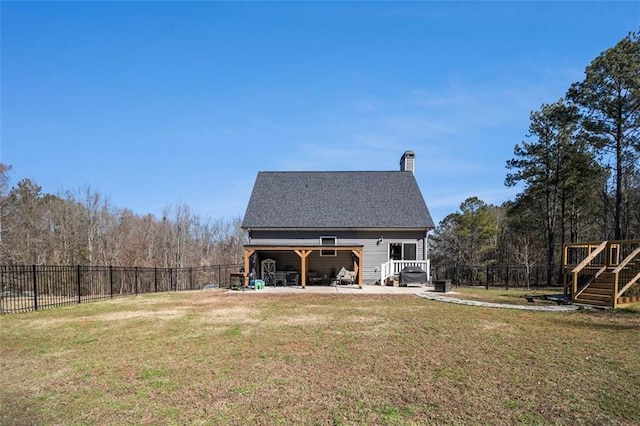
578	169
82	227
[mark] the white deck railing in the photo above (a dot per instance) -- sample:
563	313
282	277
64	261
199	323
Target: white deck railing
393	267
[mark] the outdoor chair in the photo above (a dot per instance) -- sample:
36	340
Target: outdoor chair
280	278
346	277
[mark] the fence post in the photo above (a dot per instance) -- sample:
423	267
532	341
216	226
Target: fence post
135	270
506	281
155	279
219	281
78	281
111	281
190	278
35	288
170	279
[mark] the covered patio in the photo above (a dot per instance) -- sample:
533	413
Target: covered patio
303	254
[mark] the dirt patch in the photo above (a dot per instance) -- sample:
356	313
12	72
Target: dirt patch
162	314
234	312
489	325
300	320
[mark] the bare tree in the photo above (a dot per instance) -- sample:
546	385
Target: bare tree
4	187
81	227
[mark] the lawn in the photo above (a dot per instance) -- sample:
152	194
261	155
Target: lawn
218	358
514	296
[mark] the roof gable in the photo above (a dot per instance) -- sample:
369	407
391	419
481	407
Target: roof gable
386	199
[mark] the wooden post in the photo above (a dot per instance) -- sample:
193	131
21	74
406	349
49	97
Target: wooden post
303	266
615	290
247	255
356	266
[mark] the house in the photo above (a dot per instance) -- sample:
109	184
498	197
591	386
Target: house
306	227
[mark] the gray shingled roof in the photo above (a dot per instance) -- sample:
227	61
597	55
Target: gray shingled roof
387	199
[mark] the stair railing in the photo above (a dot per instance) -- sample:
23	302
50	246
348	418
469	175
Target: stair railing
632	279
582	265
386	271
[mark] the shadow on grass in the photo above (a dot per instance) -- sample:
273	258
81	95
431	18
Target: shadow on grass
618	319
601	326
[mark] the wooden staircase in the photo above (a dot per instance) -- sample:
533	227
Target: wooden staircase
598	292
603	273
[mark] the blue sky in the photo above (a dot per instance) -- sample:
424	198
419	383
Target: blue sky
158	103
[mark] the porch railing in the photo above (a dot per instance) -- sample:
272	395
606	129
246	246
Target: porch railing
393	267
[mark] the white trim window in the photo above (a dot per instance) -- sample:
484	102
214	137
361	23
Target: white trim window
328	241
403	251
409	251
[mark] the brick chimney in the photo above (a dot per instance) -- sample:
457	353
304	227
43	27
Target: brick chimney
408	162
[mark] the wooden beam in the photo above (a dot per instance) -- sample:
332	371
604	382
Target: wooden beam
303	266
296	247
356	266
247	255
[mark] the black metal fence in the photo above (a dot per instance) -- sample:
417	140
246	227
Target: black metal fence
506	276
29	288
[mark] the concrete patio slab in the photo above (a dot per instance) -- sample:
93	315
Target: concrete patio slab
338	289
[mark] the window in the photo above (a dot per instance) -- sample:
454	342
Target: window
395	251
328	242
403	251
409	251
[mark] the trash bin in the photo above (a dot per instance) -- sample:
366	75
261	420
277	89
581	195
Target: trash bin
442	286
258	284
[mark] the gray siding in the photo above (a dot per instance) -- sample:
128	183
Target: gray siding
374	254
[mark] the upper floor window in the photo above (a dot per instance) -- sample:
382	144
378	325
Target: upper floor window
328	242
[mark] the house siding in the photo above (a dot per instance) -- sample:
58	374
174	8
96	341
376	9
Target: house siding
374	254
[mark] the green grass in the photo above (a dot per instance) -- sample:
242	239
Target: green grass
216	358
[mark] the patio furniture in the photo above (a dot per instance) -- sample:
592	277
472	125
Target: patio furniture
345	277
280	277
291	277
314	277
